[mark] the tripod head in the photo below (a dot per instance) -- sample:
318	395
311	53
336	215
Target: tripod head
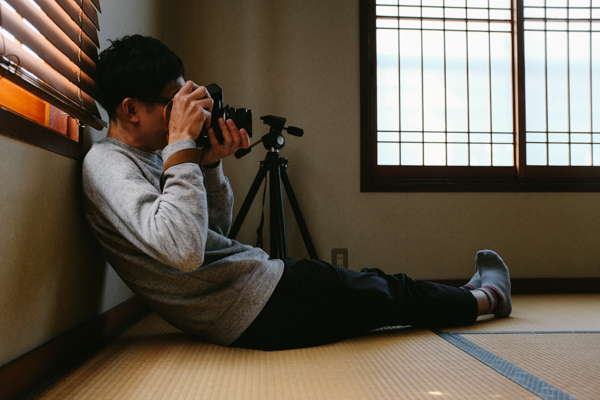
274	139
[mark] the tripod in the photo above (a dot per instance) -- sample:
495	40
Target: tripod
276	166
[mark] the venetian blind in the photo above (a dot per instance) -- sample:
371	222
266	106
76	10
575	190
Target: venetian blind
50	48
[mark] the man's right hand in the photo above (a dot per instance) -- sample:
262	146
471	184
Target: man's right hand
191	110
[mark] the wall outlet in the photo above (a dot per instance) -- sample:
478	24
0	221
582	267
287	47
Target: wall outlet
339	257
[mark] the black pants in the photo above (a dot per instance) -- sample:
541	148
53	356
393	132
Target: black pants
317	303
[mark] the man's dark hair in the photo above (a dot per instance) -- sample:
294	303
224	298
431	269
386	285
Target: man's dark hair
134	66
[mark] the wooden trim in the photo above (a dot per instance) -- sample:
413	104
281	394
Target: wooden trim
67	350
477	185
541	285
368	96
519	121
19	127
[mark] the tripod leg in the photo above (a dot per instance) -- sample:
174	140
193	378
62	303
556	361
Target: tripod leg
298	214
278	236
260	176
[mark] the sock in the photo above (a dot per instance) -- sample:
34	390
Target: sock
495	282
474	283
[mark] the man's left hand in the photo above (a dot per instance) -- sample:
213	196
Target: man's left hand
233	139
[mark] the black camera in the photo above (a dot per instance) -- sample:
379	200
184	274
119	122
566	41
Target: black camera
241	116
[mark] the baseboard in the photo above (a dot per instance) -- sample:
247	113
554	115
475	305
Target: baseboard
67	350
542	285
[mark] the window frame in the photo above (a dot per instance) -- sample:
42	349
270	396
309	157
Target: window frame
518	178
18	127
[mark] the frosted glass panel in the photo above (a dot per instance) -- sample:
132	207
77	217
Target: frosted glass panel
581	154
458	154
434	103
502	155
411	82
388	115
456	87
479	82
595	89
435	154
536	154
500	78
481	154
388	154
558	81
412	154
535	80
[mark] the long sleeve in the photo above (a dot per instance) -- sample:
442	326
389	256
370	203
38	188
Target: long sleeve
218	191
170	227
219	199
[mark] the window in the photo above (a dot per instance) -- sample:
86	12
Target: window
480	95
48	50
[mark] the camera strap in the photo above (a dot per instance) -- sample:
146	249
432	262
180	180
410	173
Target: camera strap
193	155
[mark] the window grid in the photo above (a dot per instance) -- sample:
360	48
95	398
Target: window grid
562	84
457	143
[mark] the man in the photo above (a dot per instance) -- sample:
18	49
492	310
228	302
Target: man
161	209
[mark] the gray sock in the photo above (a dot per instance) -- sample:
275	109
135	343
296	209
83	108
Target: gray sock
495	282
474	283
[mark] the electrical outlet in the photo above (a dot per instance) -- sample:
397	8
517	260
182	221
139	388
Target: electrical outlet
339	257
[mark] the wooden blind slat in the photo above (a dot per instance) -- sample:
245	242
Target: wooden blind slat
60	17
47	51
97	4
90	11
57	37
75	13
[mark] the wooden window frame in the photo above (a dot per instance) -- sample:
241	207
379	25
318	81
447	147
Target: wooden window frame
29	131
520	178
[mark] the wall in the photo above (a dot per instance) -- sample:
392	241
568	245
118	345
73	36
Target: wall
52	276
300	60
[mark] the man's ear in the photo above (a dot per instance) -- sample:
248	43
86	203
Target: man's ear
128	109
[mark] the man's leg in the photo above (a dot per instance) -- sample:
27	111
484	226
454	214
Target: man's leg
317	303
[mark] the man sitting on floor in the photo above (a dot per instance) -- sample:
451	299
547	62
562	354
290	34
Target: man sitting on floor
161	208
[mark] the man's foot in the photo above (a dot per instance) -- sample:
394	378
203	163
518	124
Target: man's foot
495	282
474	283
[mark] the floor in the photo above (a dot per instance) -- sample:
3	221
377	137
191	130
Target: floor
549	348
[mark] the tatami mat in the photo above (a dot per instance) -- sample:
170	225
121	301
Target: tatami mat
555	313
568	361
152	360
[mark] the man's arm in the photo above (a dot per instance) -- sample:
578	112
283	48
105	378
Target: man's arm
170	227
219	198
218	191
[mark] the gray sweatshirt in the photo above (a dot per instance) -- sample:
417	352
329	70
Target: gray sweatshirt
171	248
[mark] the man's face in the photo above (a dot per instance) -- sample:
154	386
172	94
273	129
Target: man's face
152	120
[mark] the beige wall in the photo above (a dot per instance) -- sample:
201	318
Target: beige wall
52	276
300	60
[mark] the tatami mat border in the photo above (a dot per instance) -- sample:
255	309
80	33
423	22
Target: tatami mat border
521	377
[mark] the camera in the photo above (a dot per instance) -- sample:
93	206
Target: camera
241	116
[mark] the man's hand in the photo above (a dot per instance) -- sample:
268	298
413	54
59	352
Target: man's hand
191	110
233	139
